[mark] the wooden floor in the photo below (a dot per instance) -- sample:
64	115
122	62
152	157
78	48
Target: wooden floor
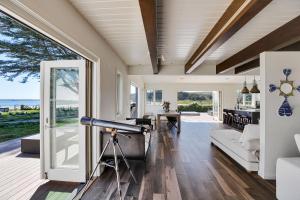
184	167
181	166
20	177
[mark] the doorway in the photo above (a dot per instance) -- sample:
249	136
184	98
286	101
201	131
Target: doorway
199	106
63	154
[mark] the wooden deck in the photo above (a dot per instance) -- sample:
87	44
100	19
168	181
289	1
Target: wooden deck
186	167
20	177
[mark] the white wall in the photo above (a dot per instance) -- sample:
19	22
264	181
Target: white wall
59	20
277	132
229	93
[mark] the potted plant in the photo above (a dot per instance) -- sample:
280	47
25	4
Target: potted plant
166	106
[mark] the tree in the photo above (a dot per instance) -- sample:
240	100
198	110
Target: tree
24	49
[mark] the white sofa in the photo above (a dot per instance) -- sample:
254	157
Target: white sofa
242	147
288	176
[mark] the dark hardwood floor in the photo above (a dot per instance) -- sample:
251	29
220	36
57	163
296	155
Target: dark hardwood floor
184	166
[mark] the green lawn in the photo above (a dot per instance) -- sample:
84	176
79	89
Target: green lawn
20	123
8	132
19	115
15	124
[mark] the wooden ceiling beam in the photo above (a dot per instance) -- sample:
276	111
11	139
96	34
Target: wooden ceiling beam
220	34
287	32
247	66
256	62
148	10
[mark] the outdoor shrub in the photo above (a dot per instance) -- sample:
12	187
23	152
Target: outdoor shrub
195	107
25	107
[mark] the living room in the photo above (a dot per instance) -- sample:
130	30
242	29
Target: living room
137	56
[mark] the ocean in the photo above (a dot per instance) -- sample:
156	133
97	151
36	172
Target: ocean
11	103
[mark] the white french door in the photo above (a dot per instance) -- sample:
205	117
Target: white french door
63	104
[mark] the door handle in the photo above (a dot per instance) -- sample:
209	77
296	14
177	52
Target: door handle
47	122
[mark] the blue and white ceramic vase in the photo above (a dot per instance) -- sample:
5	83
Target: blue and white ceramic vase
285	109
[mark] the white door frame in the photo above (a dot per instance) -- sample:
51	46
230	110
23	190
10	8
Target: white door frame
73	175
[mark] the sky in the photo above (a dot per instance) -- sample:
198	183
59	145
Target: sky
16	90
132	89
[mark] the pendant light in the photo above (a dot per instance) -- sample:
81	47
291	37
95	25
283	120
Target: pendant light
245	90
254	88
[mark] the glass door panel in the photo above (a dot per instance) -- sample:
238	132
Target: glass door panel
64	105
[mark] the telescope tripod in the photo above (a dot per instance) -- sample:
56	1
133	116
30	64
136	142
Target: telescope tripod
115	143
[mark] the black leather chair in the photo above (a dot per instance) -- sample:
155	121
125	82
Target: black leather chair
135	147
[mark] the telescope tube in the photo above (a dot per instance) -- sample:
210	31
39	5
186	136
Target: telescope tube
110	124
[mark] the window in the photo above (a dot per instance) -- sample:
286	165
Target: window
119	93
134	98
158	96
149	96
154	96
247	99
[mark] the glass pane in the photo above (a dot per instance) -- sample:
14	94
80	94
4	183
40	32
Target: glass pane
248	99
149	96
158	96
64	107
133	101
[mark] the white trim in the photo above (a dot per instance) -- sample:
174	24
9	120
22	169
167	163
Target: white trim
96	113
42	152
119	94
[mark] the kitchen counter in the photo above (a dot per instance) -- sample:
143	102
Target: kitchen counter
253	114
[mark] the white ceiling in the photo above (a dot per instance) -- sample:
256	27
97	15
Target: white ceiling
225	79
121	25
184	24
276	14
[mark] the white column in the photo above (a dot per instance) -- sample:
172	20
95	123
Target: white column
277	133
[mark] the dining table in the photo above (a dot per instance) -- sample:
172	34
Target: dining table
169	114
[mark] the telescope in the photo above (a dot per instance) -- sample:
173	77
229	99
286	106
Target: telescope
111	124
114	126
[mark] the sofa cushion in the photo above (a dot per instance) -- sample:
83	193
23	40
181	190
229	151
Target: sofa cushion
251	131
230	139
297	139
251	145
